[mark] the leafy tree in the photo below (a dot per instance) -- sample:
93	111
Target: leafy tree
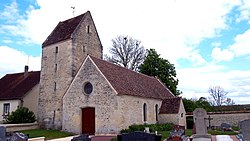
126	52
191	104
154	65
21	115
218	96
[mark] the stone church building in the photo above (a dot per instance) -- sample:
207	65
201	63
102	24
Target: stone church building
82	93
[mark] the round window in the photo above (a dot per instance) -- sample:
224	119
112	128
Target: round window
88	88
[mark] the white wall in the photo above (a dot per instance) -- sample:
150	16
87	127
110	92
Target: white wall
13	106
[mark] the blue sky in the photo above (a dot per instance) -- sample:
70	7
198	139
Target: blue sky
206	40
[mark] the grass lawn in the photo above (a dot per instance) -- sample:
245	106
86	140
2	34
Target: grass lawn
48	134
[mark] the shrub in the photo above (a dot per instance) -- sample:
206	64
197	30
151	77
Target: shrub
21	115
152	127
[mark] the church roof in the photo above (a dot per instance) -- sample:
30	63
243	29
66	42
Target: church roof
15	86
128	82
63	30
170	105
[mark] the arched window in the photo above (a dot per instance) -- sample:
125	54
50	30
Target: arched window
156	112
144	112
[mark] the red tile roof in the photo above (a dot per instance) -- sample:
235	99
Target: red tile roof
170	105
128	82
15	86
63	30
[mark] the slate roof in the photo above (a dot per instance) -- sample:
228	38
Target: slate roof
63	30
15	86
170	105
128	82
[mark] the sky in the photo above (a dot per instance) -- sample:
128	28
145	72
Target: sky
206	40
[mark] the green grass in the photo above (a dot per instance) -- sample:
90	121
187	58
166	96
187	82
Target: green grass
48	134
217	132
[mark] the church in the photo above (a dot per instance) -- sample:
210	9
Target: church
80	92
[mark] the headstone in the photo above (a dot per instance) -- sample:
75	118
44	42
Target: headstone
147	130
139	136
200	116
177	133
2	133
245	129
82	137
226	127
18	137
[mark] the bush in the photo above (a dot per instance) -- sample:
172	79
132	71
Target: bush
152	127
21	115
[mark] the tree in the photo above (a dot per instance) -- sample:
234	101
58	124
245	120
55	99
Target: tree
126	52
218	95
229	101
191	104
153	65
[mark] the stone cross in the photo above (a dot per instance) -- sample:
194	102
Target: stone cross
200	123
209	121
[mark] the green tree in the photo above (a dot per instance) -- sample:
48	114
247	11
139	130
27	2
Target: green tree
21	115
191	104
154	65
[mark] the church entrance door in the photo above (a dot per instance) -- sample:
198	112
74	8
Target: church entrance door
88	120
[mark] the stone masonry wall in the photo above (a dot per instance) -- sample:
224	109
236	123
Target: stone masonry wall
85	41
232	118
112	112
178	118
56	75
58	70
103	99
130	111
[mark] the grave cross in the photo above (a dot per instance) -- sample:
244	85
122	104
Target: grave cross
209	121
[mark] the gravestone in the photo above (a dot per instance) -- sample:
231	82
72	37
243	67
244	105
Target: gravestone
139	136
200	116
245	129
18	137
226	127
2	133
82	137
177	134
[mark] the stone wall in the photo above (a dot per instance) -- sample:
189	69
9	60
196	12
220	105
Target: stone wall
112	112
56	75
58	70
19	127
85	41
232	118
178	118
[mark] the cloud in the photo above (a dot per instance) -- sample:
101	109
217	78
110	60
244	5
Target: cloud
241	45
244	9
222	54
13	61
174	28
10	12
194	82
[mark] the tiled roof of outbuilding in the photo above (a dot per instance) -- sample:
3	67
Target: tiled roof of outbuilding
15	86
128	82
63	30
170	105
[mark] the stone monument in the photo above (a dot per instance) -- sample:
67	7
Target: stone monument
245	129
200	116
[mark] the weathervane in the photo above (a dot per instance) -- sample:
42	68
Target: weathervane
73	8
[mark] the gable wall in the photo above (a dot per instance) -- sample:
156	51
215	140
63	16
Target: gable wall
85	42
50	100
31	99
103	99
178	118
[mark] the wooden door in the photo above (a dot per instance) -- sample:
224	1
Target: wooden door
88	121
